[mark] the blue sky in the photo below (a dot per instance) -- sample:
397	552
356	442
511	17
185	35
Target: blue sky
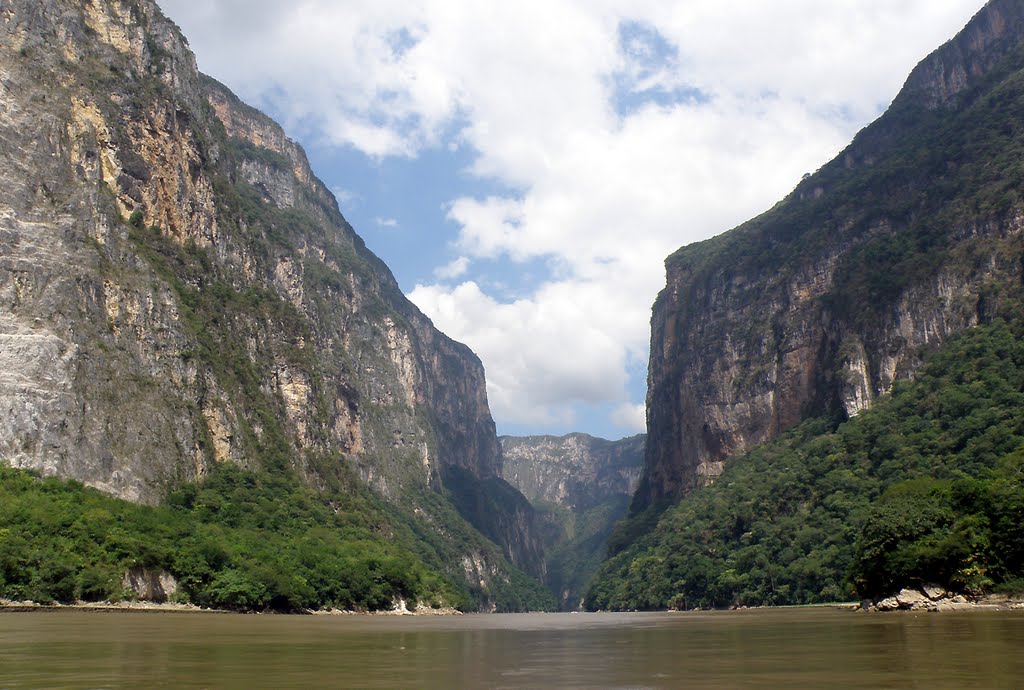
524	168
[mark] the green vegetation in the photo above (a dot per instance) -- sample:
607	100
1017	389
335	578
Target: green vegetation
246	150
248	541
242	332
926	486
238	540
965	533
575	544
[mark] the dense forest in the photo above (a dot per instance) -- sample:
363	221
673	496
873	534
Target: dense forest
926	486
240	540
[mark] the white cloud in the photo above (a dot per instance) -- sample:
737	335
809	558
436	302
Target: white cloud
630	418
561	346
386	222
601	192
453	269
488	226
387	76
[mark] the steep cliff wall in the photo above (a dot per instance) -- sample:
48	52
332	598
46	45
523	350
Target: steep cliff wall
576	471
178	288
582	486
913	233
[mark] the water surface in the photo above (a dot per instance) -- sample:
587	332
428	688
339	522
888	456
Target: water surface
771	648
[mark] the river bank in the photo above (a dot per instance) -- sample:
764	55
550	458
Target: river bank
400	609
935	599
7	605
905	600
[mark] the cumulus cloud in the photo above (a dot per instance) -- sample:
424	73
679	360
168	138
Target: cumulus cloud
551	348
385	222
619	130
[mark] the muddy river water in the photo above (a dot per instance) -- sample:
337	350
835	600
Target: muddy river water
769	648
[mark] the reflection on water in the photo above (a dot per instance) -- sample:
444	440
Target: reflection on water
793	648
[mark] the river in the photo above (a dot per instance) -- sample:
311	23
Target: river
770	648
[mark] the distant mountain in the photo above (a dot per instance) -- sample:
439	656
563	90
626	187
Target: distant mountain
582	486
179	291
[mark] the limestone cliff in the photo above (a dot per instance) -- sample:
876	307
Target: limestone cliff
576	471
582	486
911	234
179	289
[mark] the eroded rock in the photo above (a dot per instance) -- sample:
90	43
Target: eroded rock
150	584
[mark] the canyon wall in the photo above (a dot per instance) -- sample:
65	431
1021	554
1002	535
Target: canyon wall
178	289
817	307
581	486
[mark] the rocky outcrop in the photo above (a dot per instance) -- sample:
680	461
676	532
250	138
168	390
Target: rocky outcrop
581	485
943	75
179	289
576	471
146	584
927	598
820	305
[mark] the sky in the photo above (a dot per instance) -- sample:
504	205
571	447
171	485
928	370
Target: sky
525	167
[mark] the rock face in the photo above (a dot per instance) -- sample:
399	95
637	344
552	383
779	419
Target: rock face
576	471
928	598
179	289
818	306
582	486
150	585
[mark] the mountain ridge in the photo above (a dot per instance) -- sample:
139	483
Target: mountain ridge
820	304
181	291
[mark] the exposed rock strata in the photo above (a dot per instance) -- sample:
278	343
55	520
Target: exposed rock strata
177	288
821	304
150	585
582	486
576	471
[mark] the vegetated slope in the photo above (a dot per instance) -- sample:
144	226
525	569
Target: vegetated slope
179	291
581	486
818	306
925	487
241	540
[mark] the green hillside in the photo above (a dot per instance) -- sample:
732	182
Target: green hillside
926	486
241	540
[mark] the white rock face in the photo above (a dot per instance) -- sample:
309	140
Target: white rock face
150	585
575	471
928	598
912	599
